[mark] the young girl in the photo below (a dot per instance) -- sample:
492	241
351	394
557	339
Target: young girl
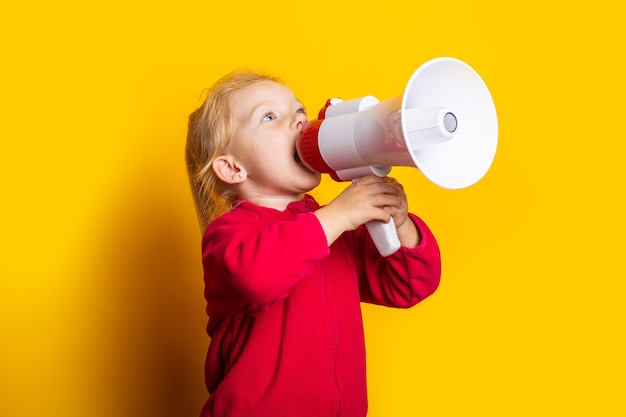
284	277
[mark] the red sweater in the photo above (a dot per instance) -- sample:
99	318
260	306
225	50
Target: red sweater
284	310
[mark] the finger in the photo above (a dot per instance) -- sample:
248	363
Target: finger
376	188
381	214
387	200
395	183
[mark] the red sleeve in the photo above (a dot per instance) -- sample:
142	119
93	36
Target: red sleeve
251	260
406	277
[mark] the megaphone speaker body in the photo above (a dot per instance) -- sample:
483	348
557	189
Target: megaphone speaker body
444	123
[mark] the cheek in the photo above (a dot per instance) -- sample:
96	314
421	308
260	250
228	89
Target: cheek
316	179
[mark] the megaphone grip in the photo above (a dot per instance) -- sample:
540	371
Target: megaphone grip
384	235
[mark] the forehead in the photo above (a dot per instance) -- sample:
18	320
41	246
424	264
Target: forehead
264	92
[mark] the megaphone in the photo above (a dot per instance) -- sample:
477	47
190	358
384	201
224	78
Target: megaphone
444	123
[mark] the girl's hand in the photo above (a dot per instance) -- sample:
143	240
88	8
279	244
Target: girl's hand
369	198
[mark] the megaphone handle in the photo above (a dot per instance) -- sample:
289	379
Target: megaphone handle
384	235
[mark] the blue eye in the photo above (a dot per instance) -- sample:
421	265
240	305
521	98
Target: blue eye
268	117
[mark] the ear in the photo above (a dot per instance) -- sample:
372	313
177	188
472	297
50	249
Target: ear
228	170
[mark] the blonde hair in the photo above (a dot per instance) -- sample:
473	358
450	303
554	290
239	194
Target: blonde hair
209	135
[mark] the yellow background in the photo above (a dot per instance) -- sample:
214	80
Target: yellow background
101	309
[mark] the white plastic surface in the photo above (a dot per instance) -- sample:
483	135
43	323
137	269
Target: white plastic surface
409	130
465	158
384	235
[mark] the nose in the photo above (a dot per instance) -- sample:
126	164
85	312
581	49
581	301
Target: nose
299	121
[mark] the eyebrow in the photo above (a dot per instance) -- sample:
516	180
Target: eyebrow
267	105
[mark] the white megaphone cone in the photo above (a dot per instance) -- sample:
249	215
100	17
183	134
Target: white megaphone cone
444	123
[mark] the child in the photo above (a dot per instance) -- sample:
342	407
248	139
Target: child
284	277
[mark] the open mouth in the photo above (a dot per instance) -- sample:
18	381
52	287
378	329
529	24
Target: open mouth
296	156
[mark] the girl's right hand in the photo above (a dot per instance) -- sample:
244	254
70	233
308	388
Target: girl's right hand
362	201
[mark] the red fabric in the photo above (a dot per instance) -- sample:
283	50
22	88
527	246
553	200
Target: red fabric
284	310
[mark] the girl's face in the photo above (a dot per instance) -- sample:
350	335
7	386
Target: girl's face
267	121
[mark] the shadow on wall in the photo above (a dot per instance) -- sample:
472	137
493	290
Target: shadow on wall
151	342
